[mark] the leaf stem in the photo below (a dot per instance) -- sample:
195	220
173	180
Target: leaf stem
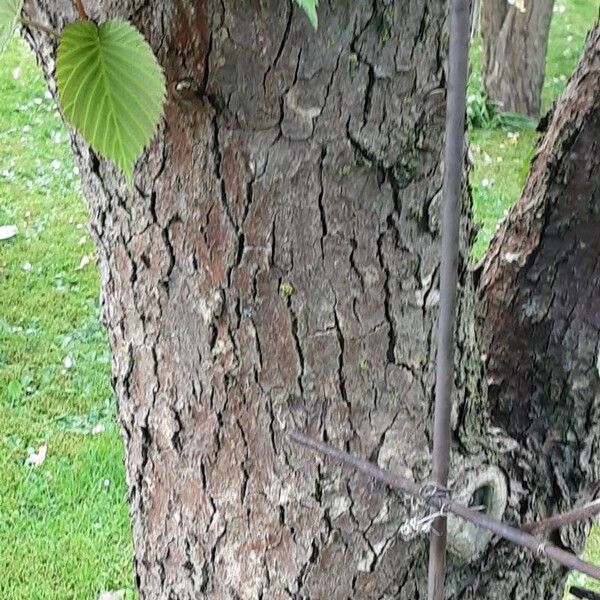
81	10
40	26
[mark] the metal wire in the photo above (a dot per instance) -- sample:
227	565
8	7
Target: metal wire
503	530
587	511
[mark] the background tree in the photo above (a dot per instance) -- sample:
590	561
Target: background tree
515	40
275	265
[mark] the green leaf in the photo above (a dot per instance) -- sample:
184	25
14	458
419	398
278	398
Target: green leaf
310	8
111	88
10	11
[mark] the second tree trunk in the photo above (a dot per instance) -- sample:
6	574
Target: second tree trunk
514	53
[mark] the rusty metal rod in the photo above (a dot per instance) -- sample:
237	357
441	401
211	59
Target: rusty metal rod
503	530
587	511
458	64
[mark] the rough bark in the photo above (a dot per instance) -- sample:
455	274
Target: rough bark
514	53
276	265
541	305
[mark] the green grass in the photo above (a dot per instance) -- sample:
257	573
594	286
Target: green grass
64	530
501	164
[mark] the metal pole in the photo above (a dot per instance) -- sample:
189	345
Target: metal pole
587	511
458	60
512	534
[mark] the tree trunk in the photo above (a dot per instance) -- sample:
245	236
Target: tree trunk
541	309
276	266
514	53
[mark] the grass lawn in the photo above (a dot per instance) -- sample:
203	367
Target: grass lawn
64	530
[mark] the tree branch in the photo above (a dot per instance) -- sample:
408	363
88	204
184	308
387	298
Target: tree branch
80	10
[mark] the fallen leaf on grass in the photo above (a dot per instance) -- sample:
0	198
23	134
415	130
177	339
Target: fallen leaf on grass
118	595
98	429
35	459
7	231
513	137
85	261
